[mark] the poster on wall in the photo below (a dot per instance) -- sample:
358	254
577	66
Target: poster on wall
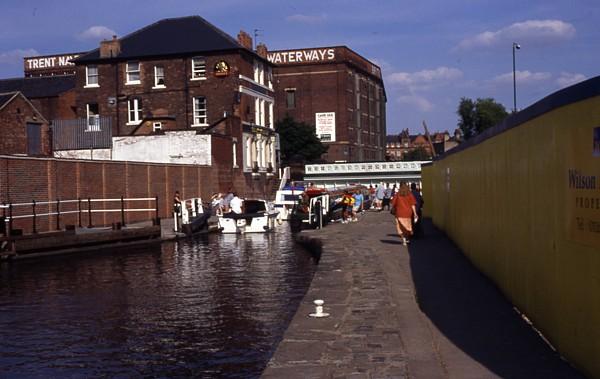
583	186
325	126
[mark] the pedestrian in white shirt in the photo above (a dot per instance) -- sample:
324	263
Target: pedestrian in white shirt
236	204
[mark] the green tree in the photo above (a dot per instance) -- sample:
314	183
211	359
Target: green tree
418	154
298	141
477	116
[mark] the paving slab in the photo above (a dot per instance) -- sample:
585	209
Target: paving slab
421	311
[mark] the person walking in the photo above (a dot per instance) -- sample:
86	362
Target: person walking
417	226
387	196
379	194
404	210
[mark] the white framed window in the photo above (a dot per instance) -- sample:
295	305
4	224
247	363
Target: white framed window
134	111
156	126
270	77
132	72
91	76
248	152
200	118
271	124
93	117
198	68
159	77
234	152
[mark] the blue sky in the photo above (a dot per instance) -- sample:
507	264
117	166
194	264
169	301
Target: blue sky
432	53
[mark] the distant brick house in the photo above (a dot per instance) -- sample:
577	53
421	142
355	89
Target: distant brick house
53	96
23	129
399	146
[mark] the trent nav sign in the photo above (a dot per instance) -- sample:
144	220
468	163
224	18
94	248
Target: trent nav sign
302	56
47	65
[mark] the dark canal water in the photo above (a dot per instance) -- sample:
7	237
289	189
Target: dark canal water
212	307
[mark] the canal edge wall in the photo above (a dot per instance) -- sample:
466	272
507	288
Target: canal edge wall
23	179
520	202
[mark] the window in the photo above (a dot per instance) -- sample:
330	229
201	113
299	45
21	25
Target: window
156	126
159	77
133	73
198	68
234	152
290	98
270	77
91	76
134	111
93	117
200	111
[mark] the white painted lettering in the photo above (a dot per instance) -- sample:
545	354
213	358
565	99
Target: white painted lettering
322	54
34	63
331	54
298	56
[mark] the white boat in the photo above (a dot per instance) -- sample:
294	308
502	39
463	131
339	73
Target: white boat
257	217
285	200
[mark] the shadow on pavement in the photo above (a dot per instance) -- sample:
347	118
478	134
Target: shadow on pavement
392	242
470	311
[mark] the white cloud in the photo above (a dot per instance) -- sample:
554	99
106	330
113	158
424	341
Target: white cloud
567	79
417	101
425	78
97	33
17	55
526	32
523	77
306	19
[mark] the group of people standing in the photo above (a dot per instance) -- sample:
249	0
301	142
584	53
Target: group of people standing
225	203
404	202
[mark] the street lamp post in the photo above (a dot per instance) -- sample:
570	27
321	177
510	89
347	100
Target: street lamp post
515	46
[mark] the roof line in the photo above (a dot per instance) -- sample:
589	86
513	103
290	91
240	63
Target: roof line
327	47
18	93
210	25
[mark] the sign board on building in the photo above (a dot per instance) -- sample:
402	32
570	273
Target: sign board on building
325	126
582	182
48	65
302	56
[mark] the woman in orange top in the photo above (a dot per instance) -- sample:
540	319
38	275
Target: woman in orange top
404	208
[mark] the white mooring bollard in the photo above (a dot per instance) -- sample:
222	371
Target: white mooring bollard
319	309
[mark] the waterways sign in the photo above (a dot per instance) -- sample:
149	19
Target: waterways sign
302	56
583	186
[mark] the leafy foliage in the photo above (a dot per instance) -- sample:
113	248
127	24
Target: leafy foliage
477	116
298	141
418	154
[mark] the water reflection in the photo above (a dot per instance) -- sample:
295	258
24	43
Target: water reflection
209	307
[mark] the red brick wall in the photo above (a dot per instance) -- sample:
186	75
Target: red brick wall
330	87
25	179
175	100
13	127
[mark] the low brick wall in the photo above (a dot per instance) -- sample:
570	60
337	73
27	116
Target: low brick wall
23	179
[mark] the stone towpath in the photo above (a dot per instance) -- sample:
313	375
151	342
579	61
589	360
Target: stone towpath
421	311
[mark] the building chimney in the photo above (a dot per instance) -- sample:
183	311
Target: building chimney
244	39
110	49
261	50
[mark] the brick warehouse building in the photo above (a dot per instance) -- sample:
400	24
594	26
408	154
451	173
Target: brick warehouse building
184	79
339	92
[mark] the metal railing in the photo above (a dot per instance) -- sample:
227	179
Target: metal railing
12	211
